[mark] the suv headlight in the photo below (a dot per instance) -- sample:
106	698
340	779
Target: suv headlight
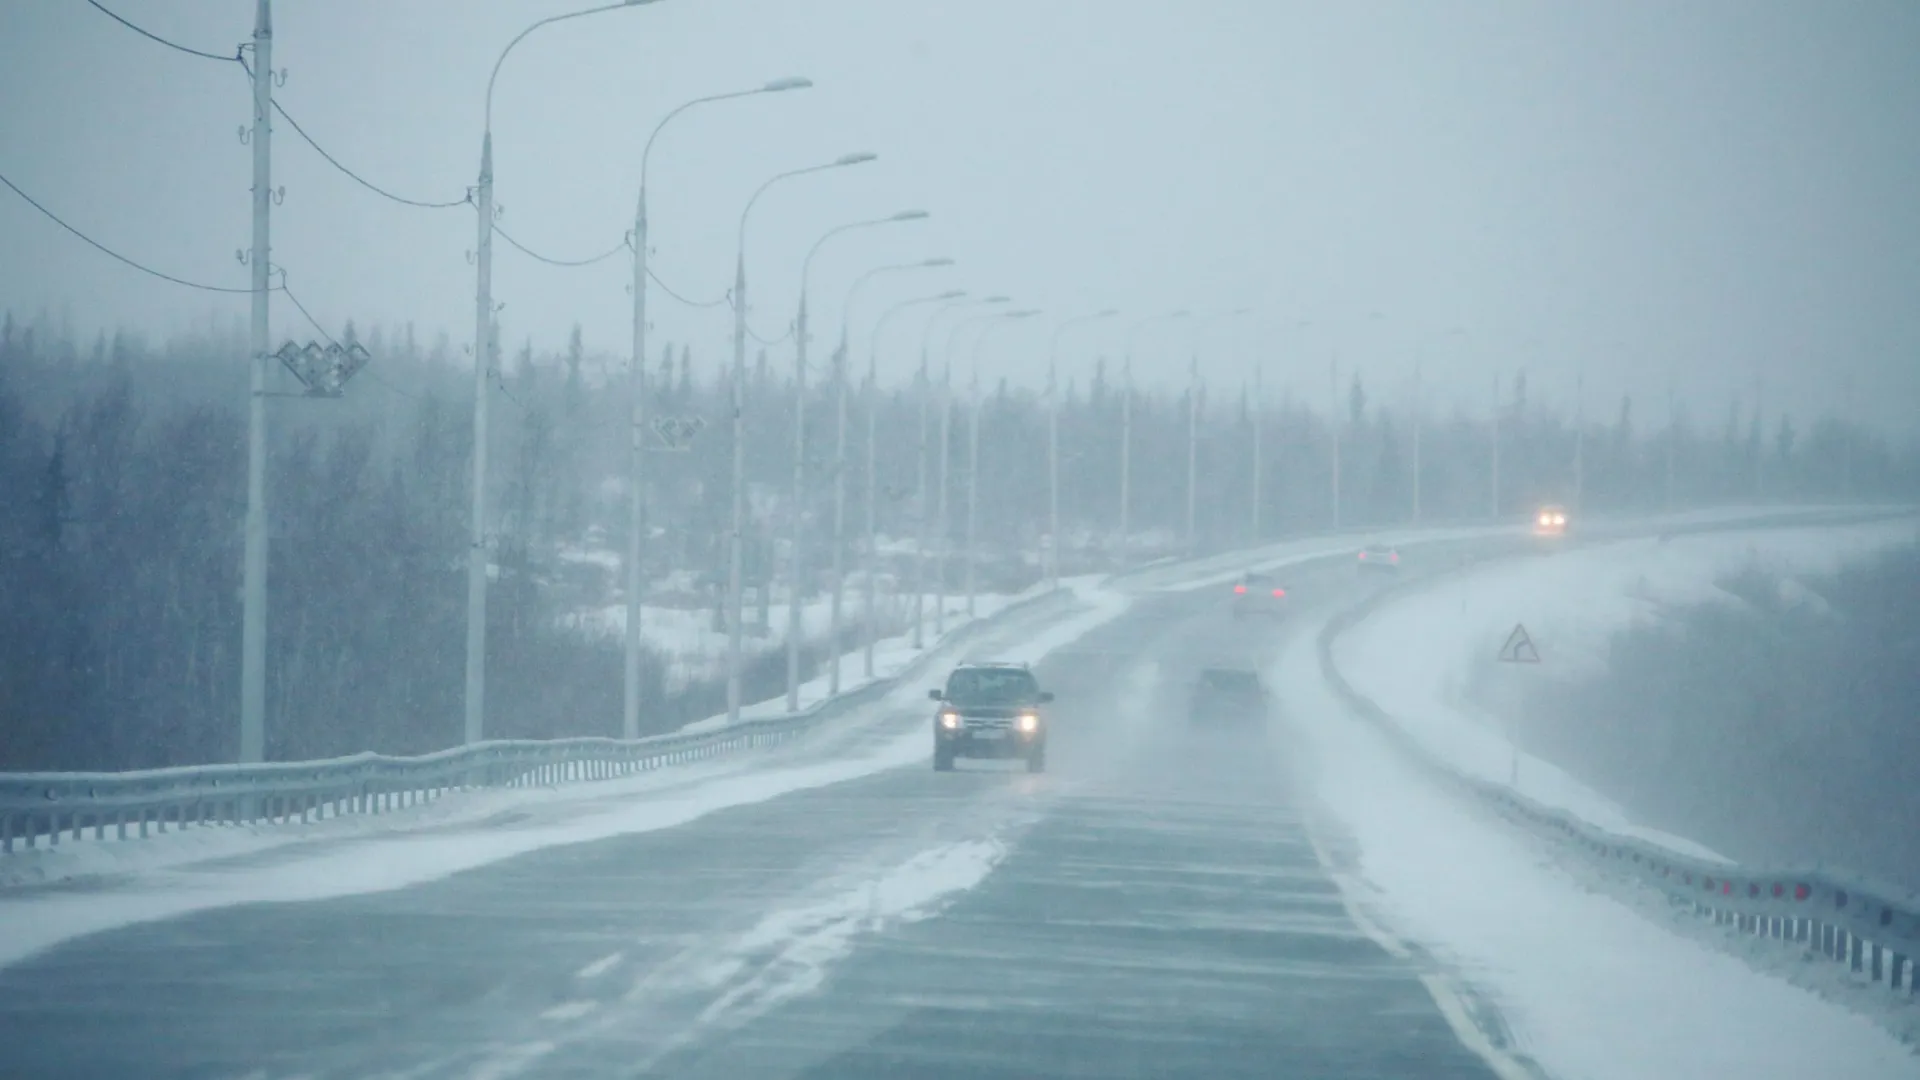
1029	722
949	720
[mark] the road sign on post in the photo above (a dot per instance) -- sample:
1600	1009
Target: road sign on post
676	433
1519	648
323	369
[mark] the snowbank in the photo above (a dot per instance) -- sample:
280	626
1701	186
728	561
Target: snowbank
1588	987
1422	658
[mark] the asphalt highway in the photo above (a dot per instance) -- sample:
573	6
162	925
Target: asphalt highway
1151	906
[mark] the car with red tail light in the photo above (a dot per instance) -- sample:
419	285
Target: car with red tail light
1256	595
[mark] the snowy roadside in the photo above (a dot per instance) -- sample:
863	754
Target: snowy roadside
1586	986
1425	658
207	868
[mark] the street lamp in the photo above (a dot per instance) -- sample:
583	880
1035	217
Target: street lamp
873	468
946	456
483	345
1053	439
926	519
973	449
736	539
1126	426
795	562
1193	434
637	453
840	462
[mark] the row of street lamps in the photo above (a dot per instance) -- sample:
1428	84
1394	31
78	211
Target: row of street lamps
485	355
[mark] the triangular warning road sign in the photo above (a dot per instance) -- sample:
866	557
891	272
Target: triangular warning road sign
1519	648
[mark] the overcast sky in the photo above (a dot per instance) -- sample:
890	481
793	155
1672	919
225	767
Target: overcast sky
1716	191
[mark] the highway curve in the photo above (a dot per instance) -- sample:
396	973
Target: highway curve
1150	907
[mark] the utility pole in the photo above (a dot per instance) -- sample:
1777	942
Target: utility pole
1193	447
636	475
941	542
737	535
253	627
1496	446
1673	442
1259	424
1053	477
925	380
972	489
1846	436
477	524
839	512
1579	441
871	558
1333	380
1126	455
795	563
1419	422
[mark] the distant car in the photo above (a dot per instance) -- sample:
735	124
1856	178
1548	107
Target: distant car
1379	558
1258	594
1227	695
990	711
1550	521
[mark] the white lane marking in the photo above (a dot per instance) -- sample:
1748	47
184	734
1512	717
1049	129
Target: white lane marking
1447	996
600	967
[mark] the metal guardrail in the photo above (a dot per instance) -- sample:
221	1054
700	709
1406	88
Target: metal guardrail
1871	927
47	806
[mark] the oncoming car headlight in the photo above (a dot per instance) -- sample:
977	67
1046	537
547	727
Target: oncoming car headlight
949	720
1029	722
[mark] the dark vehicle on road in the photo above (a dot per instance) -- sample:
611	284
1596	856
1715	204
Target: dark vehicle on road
990	711
1379	559
1258	594
1227	695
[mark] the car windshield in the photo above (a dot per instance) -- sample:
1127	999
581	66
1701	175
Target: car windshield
991	686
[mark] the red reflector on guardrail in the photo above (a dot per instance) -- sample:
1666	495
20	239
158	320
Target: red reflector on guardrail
1801	892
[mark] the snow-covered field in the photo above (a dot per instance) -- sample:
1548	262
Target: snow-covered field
1426	658
1589	987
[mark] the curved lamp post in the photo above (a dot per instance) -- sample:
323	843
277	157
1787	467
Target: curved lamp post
483	346
873	467
1126	427
973	448
736	538
636	388
927	519
796	564
1053	439
840	360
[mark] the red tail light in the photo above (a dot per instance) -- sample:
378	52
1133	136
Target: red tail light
1239	588
1395	557
1279	592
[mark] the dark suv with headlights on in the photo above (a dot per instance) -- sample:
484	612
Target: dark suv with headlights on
990	711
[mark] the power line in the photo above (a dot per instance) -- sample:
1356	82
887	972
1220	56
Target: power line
151	36
349	173
105	250
368	371
603	256
669	290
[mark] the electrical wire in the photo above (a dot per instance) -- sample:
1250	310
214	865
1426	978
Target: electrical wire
769	341
105	250
349	173
670	291
603	256
151	36
368	370
302	308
